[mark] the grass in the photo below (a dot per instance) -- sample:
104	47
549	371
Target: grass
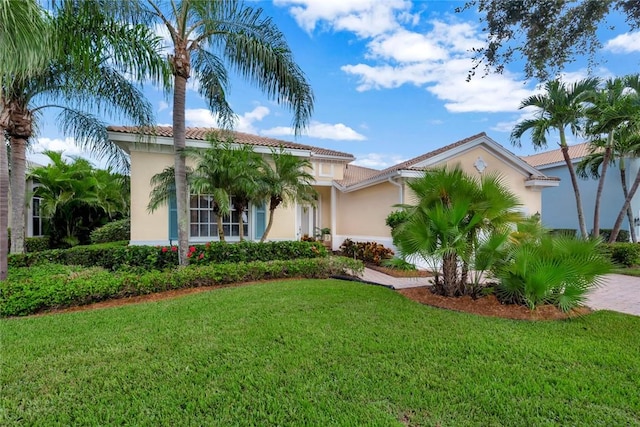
629	271
316	352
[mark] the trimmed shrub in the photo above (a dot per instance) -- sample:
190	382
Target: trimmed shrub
369	252
626	254
46	287
112	232
36	244
113	256
396	218
623	235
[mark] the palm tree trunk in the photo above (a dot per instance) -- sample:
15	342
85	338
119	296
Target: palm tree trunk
4	207
605	167
450	274
625	208
240	209
180	64
269	224
220	228
574	183
18	193
625	192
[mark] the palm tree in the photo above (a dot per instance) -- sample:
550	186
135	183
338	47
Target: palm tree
613	105
24	45
286	180
208	37
454	215
626	145
77	198
85	73
562	106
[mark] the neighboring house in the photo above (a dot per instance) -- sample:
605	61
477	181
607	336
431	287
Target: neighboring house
559	204
353	201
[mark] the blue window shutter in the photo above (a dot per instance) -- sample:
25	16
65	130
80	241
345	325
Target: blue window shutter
173	217
261	221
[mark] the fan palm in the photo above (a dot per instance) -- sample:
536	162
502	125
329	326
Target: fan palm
286	180
207	37
85	74
562	106
24	45
454	215
613	105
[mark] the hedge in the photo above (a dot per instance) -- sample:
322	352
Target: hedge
113	256
112	232
35	289
625	254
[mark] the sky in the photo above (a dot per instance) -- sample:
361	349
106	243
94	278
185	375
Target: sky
389	78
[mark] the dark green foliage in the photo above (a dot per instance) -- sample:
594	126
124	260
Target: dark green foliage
114	256
623	235
369	252
396	218
550	270
398	264
567	232
112	232
626	254
34	289
36	244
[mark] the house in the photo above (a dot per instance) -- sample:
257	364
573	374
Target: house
34	220
353	201
559	203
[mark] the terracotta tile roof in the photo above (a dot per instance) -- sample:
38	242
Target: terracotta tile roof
576	151
353	174
200	134
407	165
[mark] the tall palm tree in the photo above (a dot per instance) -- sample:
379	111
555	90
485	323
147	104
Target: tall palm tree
562	106
85	74
24	45
613	105
453	215
626	146
286	180
208	37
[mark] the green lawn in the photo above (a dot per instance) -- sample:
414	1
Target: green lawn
316	352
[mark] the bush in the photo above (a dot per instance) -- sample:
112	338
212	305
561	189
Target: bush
112	232
113	256
46	287
398	264
369	252
567	232
36	244
396	218
623	235
551	270
626	254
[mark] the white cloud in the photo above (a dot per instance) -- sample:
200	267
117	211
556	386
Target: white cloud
201	117
624	43
319	130
66	145
162	105
377	160
365	18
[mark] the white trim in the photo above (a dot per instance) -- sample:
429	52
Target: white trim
538	184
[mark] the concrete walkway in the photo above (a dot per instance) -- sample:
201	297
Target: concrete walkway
618	292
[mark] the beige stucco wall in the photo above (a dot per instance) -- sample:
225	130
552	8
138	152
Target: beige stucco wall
145	226
531	199
324	204
363	212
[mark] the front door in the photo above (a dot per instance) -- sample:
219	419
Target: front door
306	221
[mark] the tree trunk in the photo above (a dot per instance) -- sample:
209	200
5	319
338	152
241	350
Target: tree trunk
574	183
180	64
239	207
625	192
605	167
269	224
18	193
220	227
623	211
450	274
4	207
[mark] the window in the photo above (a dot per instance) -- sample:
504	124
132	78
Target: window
37	226
204	220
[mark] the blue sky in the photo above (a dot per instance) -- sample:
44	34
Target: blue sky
389	79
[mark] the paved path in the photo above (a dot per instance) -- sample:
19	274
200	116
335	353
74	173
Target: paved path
618	292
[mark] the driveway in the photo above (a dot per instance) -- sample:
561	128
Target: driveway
618	293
